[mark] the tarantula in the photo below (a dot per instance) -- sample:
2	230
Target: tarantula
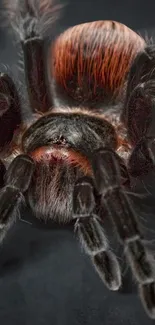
92	101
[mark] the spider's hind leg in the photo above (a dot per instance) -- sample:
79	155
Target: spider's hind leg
30	20
35	74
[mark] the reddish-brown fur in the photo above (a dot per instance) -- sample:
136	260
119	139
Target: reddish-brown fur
93	57
101	51
69	156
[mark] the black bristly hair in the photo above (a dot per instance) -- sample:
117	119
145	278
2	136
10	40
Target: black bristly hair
89	132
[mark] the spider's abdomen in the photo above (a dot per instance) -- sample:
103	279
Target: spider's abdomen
91	61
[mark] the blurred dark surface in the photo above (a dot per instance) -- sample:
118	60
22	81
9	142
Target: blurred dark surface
45	278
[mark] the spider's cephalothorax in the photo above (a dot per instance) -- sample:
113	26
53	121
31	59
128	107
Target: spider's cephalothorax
87	134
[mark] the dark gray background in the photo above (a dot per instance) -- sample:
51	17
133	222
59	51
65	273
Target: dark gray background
45	278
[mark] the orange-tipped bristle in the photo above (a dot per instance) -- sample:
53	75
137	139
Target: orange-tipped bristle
61	154
91	61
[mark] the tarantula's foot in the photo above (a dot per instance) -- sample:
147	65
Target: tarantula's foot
142	159
10	201
108	268
147	294
10	197
17	180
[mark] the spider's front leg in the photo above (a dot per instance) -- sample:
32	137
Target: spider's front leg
92	236
17	181
90	229
120	209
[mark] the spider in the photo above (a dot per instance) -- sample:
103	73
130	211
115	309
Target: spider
90	131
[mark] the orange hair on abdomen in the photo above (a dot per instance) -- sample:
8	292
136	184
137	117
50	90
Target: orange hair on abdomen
89	62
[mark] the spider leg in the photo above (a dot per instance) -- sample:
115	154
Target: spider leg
17	181
30	21
139	112
92	236
35	74
120	209
140	128
35	63
142	159
10	113
141	72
